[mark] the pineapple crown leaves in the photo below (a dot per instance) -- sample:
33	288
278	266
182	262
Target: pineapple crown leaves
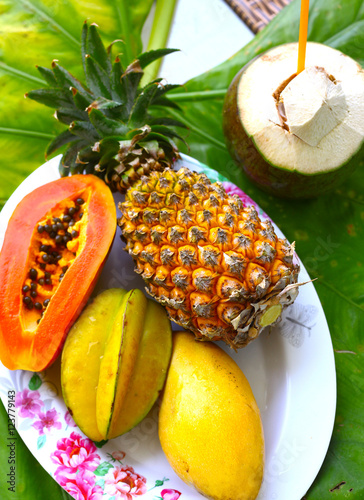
110	110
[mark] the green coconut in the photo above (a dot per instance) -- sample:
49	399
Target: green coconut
297	136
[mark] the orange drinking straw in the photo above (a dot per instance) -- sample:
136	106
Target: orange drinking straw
302	41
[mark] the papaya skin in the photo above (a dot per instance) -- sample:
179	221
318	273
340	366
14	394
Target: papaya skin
36	349
209	423
272	179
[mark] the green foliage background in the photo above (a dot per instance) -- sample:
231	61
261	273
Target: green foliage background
328	230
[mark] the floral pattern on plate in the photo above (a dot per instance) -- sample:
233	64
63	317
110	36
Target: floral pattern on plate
79	467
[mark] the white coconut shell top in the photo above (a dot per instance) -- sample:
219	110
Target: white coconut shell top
323	108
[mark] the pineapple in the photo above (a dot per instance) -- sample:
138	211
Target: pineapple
218	269
111	132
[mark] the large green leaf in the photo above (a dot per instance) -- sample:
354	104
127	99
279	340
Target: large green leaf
36	32
329	230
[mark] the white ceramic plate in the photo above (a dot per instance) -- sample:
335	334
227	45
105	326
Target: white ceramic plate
291	370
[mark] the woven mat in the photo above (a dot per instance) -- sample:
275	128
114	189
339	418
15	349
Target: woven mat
257	13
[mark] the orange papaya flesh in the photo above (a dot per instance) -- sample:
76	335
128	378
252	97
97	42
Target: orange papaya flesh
55	245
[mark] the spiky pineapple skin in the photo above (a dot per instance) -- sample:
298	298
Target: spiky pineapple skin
136	161
209	260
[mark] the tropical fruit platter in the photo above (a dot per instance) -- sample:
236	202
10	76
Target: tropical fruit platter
160	336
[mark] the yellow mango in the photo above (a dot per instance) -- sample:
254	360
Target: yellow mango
81	356
209	423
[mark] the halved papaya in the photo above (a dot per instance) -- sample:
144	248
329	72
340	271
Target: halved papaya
55	245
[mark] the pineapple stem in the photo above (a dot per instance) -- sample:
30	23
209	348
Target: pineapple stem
159	35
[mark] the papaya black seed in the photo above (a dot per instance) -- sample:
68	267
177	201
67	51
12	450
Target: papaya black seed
74	233
64	269
80	215
27	299
59	239
33	286
38	306
47	228
42	266
54	228
40	229
56	219
41	281
25	289
44	248
48	281
66	238
46	302
45	257
38	321
72	211
33	294
53	234
47	275
71	223
66	218
59	226
59	257
80	201
33	273
30	306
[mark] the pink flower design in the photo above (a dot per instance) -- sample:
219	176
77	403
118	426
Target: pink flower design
29	403
124	483
170	494
118	455
74	455
69	420
232	189
83	487
47	421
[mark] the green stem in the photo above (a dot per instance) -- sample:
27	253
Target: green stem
122	8
197	130
200	96
342	295
52	22
159	35
26	133
21	74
